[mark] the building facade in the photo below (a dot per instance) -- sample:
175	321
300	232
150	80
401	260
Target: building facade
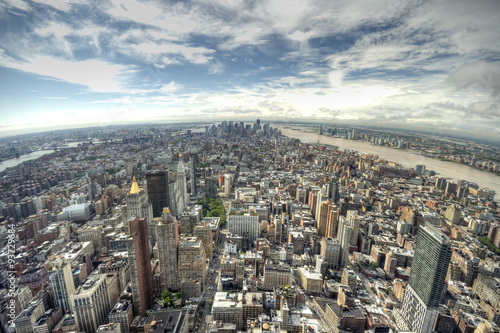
90	303
140	265
167	230
427	278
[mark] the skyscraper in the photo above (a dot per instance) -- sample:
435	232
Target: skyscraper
180	197
427	278
322	217
158	188
61	282
139	205
140	265
353	218
192	174
345	236
167	230
211	187
332	221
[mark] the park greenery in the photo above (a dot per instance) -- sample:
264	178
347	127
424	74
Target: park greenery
169	299
213	208
485	240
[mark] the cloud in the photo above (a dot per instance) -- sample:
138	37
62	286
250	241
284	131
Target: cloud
152	51
413	62
480	74
216	67
486	109
169	88
98	76
62	5
335	78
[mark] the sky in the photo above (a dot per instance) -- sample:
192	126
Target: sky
420	65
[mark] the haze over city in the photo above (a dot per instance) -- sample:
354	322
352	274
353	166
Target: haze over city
417	65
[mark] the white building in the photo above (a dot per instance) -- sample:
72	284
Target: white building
139	205
243	222
90	303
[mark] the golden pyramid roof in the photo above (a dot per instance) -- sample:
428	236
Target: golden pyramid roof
135	187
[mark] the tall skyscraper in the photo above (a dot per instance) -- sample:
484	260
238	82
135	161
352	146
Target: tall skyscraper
140	265
90	303
353	218
61	282
427	278
192	174
322	217
158	189
180	197
139	205
330	249
167	230
211	187
332	221
345	236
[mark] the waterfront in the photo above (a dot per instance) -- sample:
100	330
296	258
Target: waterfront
12	162
406	158
16	161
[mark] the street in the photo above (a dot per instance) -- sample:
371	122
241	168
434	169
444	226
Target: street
211	282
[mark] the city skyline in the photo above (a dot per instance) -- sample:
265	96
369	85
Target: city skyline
414	65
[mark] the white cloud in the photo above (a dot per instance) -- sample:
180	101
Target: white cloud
151	51
478	74
399	61
62	5
97	75
335	78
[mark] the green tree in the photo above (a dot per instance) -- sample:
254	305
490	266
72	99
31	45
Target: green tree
166	293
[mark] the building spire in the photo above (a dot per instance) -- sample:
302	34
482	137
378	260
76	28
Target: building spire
135	187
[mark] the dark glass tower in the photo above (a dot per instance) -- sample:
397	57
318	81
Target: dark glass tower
158	190
427	279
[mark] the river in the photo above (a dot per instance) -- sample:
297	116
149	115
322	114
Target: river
12	162
406	158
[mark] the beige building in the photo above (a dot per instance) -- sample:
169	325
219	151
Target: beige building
487	288
122	313
203	231
277	275
310	279
453	214
191	265
167	231
349	278
90	303
27	318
